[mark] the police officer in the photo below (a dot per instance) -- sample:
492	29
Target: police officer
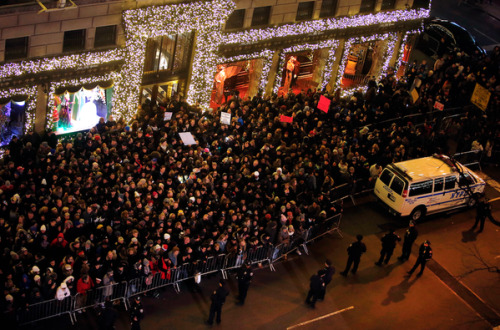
411	235
388	244
316	287
136	313
329	271
218	299
244	276
424	254
355	250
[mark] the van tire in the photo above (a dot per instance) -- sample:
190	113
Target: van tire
418	213
471	201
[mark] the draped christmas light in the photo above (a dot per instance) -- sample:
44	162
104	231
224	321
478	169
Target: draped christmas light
265	55
60	63
404	41
391	41
72	83
318	26
331	44
30	93
205	17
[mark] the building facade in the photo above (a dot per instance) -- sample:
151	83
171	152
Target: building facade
64	64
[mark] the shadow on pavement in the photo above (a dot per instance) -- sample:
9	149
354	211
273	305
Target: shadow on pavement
398	292
469	236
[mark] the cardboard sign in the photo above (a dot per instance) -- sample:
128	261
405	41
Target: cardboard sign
439	106
414	95
286	119
225	118
167	116
324	103
187	138
480	97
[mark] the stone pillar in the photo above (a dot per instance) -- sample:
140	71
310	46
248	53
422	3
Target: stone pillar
397	47
319	62
41	109
273	73
254	77
335	68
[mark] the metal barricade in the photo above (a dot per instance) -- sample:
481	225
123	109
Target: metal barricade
47	309
98	296
469	158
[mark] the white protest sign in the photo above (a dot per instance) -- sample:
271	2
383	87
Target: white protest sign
187	138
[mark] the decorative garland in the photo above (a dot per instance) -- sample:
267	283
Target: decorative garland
390	37
60	63
267	57
205	17
404	40
331	44
31	94
68	83
319	26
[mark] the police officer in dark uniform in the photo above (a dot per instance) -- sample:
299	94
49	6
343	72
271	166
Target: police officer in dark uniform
136	313
483	211
355	250
244	276
316	286
388	245
411	235
329	271
424	254
218	299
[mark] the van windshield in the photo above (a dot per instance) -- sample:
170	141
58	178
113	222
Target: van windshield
386	177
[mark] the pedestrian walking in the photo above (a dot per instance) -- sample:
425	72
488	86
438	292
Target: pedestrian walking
316	286
136	313
424	255
355	250
218	299
244	276
411	235
388	245
329	271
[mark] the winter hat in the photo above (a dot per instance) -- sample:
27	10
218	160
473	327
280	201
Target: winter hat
9	298
64	285
35	269
166	236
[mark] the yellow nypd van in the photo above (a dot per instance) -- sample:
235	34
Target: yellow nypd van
427	185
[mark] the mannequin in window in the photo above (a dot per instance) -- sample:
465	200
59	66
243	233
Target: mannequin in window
220	77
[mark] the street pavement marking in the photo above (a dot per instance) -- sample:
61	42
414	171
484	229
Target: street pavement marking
320	318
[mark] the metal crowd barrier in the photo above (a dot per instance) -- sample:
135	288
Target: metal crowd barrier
470	158
47	309
124	290
98	296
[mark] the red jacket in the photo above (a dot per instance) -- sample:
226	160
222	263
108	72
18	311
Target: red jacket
82	287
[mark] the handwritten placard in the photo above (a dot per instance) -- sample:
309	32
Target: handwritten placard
225	118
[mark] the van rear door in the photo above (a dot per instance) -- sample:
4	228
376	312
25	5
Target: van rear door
390	189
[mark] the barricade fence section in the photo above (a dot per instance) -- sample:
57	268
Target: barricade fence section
121	292
98	296
46	309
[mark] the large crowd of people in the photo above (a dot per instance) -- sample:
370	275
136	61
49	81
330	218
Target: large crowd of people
126	200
